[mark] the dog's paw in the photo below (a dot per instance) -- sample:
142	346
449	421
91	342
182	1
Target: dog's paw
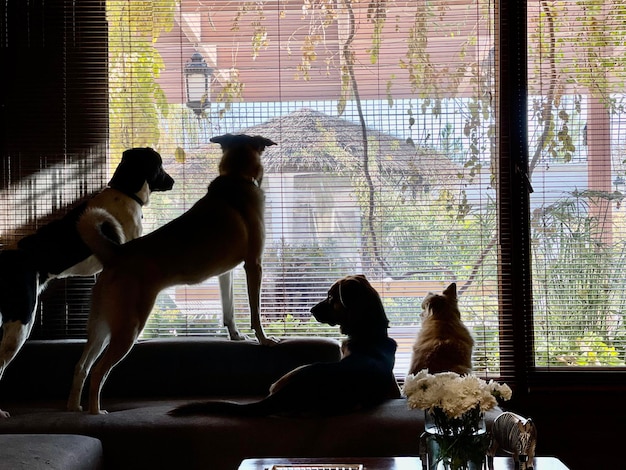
98	412
268	340
4	414
237	336
76	409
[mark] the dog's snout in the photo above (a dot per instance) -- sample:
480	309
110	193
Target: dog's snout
315	310
164	182
169	181
322	312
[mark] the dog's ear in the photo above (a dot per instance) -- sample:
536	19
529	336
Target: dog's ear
262	142
225	140
359	298
426	311
450	292
349	289
138	165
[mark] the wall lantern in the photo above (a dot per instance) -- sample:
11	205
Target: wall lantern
198	82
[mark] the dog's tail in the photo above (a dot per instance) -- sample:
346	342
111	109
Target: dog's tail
217	407
102	233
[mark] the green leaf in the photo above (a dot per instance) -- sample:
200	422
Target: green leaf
179	155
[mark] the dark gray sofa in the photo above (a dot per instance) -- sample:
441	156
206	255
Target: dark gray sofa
50	452
159	374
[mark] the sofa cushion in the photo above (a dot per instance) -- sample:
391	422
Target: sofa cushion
50	452
168	367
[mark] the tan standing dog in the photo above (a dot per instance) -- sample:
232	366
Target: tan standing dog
223	229
444	344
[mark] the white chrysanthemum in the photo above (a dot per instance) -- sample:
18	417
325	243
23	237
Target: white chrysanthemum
452	393
500	390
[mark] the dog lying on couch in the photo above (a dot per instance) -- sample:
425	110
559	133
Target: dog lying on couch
57	251
362	379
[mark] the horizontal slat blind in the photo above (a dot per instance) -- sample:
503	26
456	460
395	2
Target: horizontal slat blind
576	140
413	210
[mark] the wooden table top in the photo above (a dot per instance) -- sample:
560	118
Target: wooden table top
387	463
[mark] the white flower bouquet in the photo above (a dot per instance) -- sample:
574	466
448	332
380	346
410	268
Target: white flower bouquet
452	393
454	406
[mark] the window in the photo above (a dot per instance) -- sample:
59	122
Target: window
394	120
410	202
576	165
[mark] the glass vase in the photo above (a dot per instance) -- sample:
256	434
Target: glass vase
454	443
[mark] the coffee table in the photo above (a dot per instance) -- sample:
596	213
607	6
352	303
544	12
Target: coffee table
389	463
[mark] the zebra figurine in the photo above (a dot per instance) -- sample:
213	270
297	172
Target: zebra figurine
515	435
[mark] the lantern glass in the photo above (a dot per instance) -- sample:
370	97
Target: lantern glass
197	87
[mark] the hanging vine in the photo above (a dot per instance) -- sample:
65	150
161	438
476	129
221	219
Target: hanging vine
348	71
545	108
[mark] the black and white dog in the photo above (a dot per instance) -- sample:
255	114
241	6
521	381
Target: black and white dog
56	250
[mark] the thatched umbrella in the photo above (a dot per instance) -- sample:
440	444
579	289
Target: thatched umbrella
311	141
